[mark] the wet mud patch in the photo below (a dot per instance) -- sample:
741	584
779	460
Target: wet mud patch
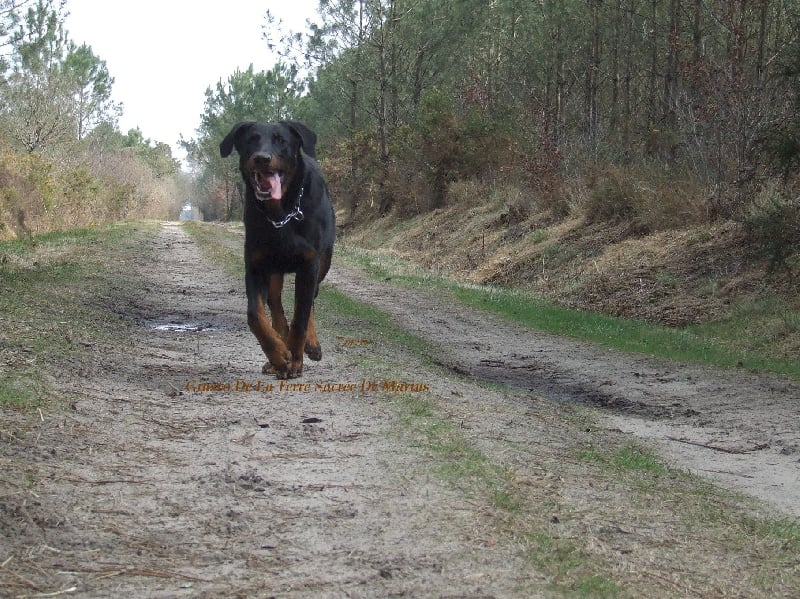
177	325
525	374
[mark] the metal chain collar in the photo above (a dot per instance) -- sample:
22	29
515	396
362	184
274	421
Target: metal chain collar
294	214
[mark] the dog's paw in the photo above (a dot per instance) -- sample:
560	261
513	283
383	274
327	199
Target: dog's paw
268	369
295	369
289	370
279	364
282	374
314	352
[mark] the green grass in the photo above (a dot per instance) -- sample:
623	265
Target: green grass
457	460
763	327
21	389
52	306
220	244
705	345
451	456
631	458
717	515
377	325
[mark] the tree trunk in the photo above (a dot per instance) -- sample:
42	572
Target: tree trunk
671	67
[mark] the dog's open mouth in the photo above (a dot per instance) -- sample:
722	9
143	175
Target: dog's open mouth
268	184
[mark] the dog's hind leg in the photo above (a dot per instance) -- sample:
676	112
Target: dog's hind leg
313	347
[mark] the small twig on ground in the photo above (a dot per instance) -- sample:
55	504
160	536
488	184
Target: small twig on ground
56	593
149	572
717	447
180	429
111	481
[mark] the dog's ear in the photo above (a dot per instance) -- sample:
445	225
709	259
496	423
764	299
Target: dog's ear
226	145
308	139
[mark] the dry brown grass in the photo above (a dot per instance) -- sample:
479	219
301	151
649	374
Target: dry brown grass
654	200
634	247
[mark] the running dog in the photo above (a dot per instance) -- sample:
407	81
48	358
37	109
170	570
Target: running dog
290	227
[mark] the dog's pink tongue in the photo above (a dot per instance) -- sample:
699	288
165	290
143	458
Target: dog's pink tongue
275	186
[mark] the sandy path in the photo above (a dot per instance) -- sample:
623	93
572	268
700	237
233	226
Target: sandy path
179	471
173	478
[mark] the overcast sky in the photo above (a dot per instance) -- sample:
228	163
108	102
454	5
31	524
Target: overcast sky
163	54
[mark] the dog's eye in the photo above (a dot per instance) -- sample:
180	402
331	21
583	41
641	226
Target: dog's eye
253	139
277	139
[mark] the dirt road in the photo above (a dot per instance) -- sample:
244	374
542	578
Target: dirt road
180	470
739	429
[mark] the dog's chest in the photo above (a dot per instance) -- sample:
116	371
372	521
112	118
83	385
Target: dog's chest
279	250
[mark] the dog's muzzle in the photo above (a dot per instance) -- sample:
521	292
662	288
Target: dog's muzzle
268	184
268	177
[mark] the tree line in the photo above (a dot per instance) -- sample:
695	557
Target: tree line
411	96
689	109
63	161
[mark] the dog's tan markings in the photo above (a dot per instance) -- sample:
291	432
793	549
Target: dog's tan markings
275	349
313	347
275	303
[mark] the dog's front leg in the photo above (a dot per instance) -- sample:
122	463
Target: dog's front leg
275	349
305	289
275	304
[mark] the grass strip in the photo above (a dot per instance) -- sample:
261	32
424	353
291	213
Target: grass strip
728	343
222	245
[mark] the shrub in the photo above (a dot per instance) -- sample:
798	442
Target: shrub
611	195
38	194
773	223
466	192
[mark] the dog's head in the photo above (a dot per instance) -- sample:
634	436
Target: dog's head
270	155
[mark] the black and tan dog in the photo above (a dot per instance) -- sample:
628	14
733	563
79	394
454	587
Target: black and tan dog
289	228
